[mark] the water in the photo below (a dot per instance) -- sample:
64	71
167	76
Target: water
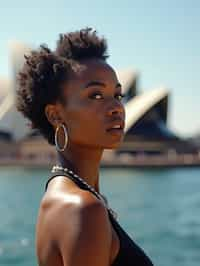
160	209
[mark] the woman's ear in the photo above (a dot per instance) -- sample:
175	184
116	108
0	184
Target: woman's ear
52	114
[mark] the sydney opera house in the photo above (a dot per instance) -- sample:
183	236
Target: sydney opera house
146	128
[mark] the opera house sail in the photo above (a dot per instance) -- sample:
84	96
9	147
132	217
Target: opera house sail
12	123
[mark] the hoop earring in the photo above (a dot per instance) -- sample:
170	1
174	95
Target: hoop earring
56	137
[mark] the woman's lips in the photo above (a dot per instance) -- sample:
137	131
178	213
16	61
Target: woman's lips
119	123
115	131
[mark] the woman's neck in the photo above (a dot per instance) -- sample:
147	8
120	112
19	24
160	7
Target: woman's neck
84	162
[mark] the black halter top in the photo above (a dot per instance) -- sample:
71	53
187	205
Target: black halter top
130	254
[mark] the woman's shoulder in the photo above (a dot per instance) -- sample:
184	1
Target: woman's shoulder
76	200
68	200
78	212
64	193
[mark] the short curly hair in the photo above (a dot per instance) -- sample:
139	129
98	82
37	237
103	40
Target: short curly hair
41	78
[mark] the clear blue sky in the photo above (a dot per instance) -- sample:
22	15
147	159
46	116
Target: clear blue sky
160	39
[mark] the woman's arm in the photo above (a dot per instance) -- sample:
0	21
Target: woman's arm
84	233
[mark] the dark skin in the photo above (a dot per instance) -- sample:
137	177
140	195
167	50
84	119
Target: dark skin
92	106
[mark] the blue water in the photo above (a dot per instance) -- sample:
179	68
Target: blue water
160	209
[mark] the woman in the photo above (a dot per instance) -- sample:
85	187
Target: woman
73	97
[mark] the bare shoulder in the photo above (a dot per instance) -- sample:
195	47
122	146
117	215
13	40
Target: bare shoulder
78	211
85	236
74	221
72	203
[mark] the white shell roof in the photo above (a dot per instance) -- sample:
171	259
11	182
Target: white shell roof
17	51
142	103
10	119
126	78
5	85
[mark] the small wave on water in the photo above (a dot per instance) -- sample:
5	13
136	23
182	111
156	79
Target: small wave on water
16	252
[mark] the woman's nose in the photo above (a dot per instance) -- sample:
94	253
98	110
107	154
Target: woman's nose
116	108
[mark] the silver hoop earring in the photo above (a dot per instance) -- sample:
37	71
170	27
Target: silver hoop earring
56	137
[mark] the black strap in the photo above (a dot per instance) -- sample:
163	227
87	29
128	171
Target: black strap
62	173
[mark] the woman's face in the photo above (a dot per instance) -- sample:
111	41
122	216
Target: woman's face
93	106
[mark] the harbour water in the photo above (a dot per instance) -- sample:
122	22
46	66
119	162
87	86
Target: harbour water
160	209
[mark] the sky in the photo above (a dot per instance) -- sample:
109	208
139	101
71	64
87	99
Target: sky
158	39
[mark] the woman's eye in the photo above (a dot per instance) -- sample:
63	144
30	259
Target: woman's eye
96	96
99	96
120	96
